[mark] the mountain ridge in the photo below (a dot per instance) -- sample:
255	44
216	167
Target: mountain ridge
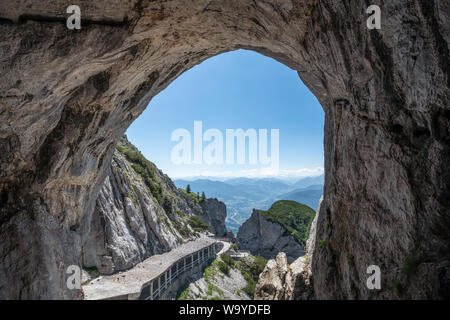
241	195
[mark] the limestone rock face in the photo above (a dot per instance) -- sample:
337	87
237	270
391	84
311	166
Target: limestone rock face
125	231
129	224
66	98
279	281
214	213
267	238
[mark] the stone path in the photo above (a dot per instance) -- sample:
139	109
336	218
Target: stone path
226	246
131	281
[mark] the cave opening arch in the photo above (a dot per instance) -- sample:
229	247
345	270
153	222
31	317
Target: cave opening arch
239	90
82	90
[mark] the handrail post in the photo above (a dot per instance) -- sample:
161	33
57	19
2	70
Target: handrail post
159	286
151	290
165	273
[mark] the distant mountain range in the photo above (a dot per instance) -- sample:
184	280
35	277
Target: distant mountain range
309	195
242	195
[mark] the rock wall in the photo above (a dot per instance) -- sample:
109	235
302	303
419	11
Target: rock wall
129	224
66	98
214	213
267	238
280	281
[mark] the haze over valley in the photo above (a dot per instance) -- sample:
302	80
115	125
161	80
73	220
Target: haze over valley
242	195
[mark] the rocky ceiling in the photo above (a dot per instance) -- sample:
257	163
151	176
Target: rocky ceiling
66	96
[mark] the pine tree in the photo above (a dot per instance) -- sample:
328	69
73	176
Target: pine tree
188	188
203	196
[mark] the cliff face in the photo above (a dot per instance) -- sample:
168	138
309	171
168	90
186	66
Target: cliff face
67	97
267	238
133	221
214	213
279	281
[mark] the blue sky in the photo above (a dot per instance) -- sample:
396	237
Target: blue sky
239	89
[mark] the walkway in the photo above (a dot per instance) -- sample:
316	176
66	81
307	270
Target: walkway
130	282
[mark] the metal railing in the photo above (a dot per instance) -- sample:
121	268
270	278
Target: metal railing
156	287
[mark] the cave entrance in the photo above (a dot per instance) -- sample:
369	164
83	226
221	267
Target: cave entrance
239	102
186	131
70	95
87	90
